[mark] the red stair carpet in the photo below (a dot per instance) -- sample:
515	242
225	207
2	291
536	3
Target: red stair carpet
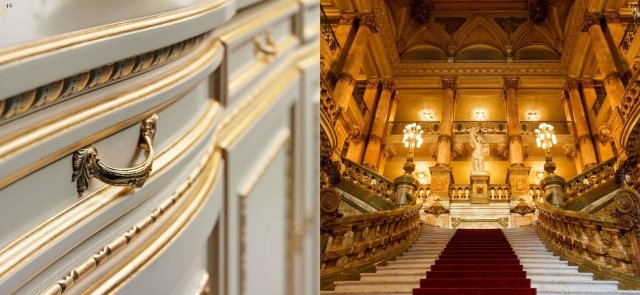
476	262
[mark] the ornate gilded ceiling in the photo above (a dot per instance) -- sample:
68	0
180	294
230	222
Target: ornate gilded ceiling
481	30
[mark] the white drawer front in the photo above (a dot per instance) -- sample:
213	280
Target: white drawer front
255	41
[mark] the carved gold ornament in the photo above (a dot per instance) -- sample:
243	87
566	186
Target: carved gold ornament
87	165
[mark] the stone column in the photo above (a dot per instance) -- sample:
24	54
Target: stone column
353	61
583	135
513	122
392	114
443	157
372	153
603	142
604	59
356	145
441	176
570	151
518	173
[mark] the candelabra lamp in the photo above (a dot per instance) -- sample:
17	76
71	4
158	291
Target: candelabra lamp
552	184
406	184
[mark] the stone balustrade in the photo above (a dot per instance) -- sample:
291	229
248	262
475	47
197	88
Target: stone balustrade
368	180
460	192
357	241
499	192
535	191
602	244
328	104
589	179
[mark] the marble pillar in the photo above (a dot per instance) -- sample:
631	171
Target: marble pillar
517	173
353	62
374	145
604	59
583	133
356	144
568	114
603	139
443	156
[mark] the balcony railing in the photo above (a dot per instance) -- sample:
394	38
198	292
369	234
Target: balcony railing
632	29
589	179
491	127
361	240
327	32
368	180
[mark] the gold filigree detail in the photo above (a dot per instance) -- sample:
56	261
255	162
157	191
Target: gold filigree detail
436	209
67	88
522	208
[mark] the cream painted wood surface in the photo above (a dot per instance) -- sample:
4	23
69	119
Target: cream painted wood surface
231	203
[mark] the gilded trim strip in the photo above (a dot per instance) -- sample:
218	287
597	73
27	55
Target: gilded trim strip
44	96
24	248
210	51
210	164
42	46
200	192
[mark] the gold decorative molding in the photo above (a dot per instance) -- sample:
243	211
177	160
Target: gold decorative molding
436	209
571	84
369	20
54	92
389	84
15	143
87	165
32	243
209	164
346	19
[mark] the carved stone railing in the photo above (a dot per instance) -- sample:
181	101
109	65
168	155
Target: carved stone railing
428	127
607	246
499	192
368	180
360	241
328	104
631	98
327	32
492	127
589	180
631	30
535	191
460	192
560	127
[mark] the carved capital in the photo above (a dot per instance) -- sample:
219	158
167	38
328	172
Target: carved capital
449	83
511	82
571	84
346	19
569	150
588	82
372	83
612	17
590	19
604	134
369	20
390	150
389	84
355	135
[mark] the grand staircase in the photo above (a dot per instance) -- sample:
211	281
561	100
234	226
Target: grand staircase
547	273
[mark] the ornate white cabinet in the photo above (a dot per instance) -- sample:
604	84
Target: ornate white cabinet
190	132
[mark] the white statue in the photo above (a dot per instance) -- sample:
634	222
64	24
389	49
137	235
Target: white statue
480	151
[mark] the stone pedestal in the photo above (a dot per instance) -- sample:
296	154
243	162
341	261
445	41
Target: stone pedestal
441	179
479	188
518	180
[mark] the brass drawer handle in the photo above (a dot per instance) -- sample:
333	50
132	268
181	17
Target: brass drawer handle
266	46
86	163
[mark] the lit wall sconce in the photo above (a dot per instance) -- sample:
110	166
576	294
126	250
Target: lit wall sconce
427	116
533	116
480	115
540	175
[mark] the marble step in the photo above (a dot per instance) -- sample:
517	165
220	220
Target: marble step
378	286
555	286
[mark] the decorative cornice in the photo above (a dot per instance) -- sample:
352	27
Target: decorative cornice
511	82
369	20
373	83
590	19
449	83
426	69
81	83
588	83
389	84
571	84
346	19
